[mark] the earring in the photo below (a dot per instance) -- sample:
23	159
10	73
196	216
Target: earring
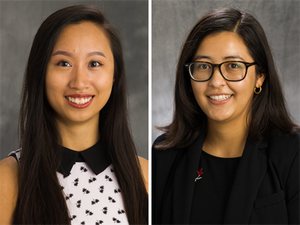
257	92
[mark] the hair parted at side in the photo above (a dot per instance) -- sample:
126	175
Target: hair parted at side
40	199
268	109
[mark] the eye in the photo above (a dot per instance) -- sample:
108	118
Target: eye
234	65
63	64
202	66
94	64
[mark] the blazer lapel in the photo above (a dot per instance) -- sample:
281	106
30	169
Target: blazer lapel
248	179
184	182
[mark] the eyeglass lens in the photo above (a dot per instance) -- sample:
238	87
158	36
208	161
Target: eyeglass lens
230	70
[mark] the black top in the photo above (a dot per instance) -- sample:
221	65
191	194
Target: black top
96	157
265	189
213	182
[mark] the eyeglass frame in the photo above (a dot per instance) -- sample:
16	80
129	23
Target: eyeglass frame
247	64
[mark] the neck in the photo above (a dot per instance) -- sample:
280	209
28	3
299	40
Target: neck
226	140
79	136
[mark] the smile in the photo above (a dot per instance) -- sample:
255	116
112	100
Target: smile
79	101
219	97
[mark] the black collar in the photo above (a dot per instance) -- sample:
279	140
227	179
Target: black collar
96	157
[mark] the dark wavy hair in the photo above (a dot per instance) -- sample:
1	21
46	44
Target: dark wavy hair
40	199
268	109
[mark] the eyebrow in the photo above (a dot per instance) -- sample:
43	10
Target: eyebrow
201	57
198	57
61	53
70	55
97	53
234	57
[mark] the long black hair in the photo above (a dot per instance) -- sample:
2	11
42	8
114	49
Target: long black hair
268	109
40	199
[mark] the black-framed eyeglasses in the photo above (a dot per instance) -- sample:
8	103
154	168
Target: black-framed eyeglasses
230	70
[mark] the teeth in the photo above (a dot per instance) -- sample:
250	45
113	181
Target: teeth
79	101
219	97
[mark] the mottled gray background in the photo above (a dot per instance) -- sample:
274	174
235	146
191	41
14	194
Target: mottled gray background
172	20
19	21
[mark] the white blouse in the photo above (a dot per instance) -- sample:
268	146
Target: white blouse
91	197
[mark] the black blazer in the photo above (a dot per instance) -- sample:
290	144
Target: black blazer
265	189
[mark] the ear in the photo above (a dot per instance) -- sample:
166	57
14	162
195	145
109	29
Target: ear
260	80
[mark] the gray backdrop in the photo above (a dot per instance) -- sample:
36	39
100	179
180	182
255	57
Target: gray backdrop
19	21
172	20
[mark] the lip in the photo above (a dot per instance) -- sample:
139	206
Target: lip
80	95
78	106
215	102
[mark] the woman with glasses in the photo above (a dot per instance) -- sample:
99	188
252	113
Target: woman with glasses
231	153
77	163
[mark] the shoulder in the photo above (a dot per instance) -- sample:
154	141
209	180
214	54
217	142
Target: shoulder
283	153
16	154
286	139
165	160
155	146
283	146
162	154
284	156
8	188
281	149
144	168
9	168
159	140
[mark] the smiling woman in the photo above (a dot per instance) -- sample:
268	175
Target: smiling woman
220	100
79	75
77	163
231	153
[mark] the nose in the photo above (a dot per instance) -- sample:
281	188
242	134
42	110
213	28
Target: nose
217	80
80	79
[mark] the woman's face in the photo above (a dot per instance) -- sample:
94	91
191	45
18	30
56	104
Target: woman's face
80	73
218	48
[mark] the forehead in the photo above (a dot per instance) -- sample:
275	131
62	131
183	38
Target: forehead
83	35
223	45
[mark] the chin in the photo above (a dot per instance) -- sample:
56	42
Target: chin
219	118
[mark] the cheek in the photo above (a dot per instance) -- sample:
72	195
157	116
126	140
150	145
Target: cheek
244	87
108	80
54	88
198	89
53	84
50	87
103	84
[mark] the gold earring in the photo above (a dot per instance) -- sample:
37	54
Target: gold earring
257	92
